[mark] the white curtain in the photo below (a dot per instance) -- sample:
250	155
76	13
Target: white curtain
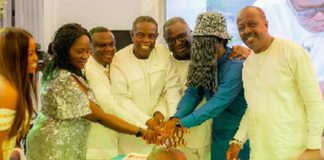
156	9
30	16
7	16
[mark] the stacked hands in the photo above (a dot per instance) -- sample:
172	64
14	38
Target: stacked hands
166	133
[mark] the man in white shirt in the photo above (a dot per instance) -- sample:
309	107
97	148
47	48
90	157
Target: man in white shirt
144	79
103	142
177	34
284	117
301	21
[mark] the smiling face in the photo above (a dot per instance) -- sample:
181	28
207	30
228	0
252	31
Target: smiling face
80	51
178	39
32	56
103	47
144	37
253	29
310	14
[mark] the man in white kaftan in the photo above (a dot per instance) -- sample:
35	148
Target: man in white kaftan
103	142
144	80
298	20
284	118
178	38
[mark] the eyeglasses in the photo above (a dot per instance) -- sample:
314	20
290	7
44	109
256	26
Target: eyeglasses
308	12
181	38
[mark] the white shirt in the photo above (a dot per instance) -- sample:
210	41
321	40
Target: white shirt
144	86
285	113
103	142
138	84
283	23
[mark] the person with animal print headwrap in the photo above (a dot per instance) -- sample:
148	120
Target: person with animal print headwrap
214	76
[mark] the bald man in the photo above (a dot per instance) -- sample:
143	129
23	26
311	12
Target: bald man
284	118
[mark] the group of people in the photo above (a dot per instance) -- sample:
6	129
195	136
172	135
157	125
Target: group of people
268	106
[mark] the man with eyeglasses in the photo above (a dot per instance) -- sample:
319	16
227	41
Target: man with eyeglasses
144	81
177	35
103	142
301	21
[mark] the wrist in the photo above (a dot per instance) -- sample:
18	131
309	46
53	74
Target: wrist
139	132
174	118
237	142
178	123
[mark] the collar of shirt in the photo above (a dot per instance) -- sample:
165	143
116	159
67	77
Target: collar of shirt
99	66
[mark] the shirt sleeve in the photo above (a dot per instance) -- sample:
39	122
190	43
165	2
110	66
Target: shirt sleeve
242	133
172	87
104	98
162	107
189	101
226	92
68	98
309	90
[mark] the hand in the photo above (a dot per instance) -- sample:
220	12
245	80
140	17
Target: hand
151	124
150	136
313	154
158	117
170	126
171	135
232	152
154	122
239	52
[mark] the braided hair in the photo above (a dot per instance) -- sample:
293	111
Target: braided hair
203	64
64	38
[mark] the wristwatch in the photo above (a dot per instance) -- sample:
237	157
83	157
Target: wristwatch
238	142
178	124
139	132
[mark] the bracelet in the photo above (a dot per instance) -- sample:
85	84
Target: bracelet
139	132
235	141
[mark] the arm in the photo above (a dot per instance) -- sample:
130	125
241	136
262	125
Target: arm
110	121
8	104
113	122
226	92
308	87
119	88
172	87
242	133
102	91
189	101
239	138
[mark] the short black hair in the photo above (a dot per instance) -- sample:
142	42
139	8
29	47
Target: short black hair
144	19
98	29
